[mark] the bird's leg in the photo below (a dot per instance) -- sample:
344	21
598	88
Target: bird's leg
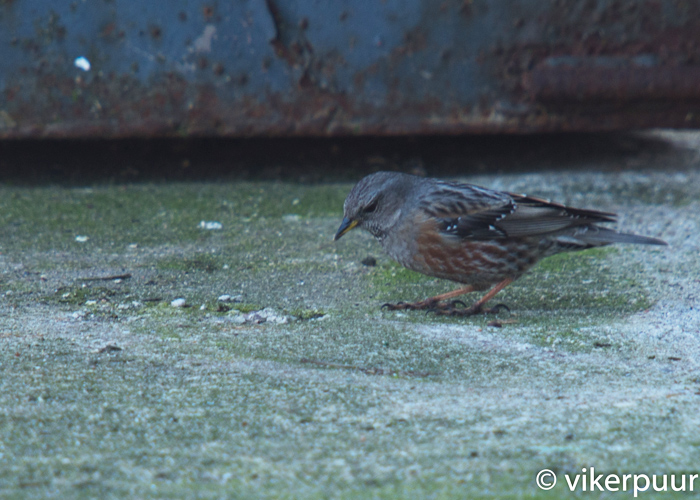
478	306
432	303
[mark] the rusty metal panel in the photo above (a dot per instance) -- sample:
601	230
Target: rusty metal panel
117	68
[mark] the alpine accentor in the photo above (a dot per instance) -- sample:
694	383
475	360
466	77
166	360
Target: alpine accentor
482	238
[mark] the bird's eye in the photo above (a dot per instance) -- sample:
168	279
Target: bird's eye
371	207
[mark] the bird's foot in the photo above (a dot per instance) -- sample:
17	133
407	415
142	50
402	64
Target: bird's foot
451	309
445	307
411	306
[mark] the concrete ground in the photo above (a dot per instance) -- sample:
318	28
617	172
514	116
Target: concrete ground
148	352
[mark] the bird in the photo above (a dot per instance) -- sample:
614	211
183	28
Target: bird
482	238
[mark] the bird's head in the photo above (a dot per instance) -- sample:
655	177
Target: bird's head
375	203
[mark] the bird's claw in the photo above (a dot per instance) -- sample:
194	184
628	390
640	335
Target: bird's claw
399	306
452	310
438	307
410	306
458	311
497	308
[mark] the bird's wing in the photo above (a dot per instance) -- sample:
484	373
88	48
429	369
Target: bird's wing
471	212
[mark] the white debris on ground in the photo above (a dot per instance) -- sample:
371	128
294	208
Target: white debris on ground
210	225
230	298
267	315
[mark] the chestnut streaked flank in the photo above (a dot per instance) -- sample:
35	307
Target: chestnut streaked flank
479	237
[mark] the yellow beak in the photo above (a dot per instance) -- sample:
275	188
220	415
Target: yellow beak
345	226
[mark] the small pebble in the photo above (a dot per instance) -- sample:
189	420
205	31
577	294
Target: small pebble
178	303
82	239
211	225
369	261
267	315
230	298
109	348
238	318
270	315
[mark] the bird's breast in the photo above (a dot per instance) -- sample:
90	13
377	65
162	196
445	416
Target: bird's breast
422	247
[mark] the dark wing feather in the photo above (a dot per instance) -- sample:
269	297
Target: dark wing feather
591	216
467	211
471	212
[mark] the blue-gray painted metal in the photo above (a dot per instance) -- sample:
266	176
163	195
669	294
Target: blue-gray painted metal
280	67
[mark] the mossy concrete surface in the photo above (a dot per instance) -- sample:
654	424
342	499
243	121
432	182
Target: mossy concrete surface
295	384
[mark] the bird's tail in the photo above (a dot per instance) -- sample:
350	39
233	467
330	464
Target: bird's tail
593	236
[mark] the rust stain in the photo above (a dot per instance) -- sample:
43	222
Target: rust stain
648	71
466	8
563	72
155	32
108	30
587	82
